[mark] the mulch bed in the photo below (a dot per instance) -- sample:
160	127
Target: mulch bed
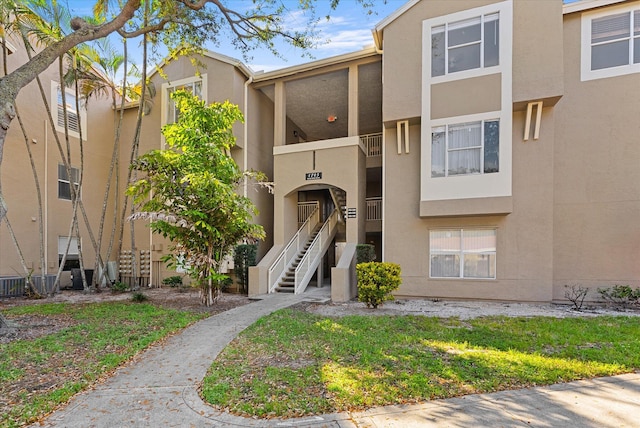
33	326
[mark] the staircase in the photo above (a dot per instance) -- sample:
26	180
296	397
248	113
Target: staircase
294	267
339	197
288	282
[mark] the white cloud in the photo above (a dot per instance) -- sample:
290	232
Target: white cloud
346	40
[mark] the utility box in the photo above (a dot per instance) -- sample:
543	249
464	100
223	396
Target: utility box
76	278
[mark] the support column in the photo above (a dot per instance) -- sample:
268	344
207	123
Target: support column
319	273
353	101
280	115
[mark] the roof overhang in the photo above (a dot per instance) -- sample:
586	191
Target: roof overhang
379	28
582	5
314	65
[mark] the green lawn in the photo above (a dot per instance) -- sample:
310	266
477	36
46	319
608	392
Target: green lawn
293	363
39	374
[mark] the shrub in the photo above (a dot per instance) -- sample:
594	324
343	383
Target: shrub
119	287
365	253
376	281
138	297
173	281
620	295
225	283
576	295
244	256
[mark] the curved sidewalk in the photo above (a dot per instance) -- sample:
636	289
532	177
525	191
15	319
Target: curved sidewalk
158	389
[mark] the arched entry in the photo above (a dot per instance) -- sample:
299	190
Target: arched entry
331	172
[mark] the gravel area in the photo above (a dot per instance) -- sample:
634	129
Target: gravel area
464	309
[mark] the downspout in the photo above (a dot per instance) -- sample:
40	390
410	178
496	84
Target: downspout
377	37
45	268
245	149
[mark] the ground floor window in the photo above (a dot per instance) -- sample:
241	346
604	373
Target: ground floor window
462	253
72	260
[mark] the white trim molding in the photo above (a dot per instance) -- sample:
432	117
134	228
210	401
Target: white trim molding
176	83
81	116
497	184
586	45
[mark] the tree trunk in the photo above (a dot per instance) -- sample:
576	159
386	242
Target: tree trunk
3	322
11	84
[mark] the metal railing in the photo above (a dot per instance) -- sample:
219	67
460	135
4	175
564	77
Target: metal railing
305	209
373	143
280	265
12	286
314	253
374	209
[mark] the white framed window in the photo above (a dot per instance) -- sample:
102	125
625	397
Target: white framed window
462	253
64	184
465	148
469	43
73	259
482	167
196	85
75	118
465	45
610	42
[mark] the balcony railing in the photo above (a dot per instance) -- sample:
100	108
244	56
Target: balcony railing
374	209
373	144
305	209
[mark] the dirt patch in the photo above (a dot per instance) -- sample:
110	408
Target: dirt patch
33	326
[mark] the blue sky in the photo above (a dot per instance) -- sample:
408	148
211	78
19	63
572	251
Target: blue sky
348	30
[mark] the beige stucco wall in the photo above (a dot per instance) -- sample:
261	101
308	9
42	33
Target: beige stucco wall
486	90
537	49
224	82
537	55
260	158
524	247
18	181
343	166
402	63
597	197
523	219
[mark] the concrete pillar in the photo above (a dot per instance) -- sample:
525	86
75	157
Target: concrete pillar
353	101
319	273
280	115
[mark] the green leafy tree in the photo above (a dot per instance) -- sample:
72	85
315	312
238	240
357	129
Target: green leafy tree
189	191
174	23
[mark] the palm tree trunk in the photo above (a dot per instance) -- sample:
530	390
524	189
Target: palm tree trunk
131	176
38	191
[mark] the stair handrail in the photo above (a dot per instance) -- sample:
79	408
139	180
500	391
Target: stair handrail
297	242
311	258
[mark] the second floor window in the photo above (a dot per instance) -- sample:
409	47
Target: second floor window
615	40
64	184
465	45
465	148
73	119
172	110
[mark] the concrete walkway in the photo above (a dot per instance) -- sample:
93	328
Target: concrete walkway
159	390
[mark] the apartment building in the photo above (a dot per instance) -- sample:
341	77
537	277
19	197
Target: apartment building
491	148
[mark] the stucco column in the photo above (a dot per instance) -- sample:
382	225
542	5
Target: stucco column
353	101
280	115
320	272
356	198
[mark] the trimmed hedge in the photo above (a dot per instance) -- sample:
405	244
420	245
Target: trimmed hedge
365	253
376	281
